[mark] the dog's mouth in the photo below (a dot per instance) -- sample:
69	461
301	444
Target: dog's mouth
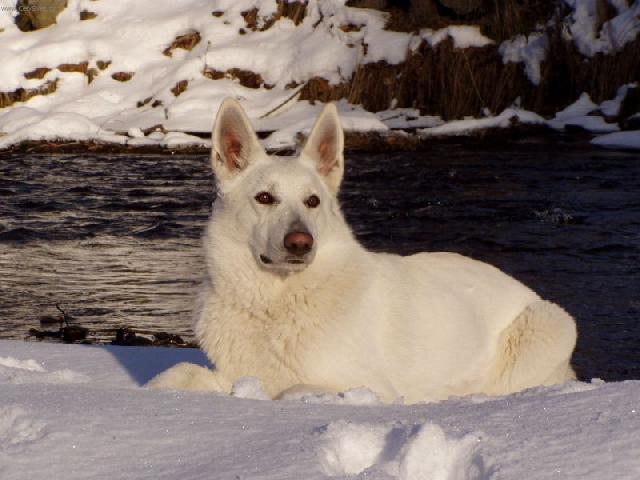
295	261
288	262
266	260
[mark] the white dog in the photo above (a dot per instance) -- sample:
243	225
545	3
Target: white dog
293	299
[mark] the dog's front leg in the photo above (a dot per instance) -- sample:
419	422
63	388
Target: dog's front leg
189	376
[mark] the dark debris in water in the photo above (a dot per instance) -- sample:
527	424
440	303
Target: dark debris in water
124	336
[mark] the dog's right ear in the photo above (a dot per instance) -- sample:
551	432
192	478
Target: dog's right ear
234	144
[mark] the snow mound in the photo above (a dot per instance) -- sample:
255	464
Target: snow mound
613	35
17	427
467	126
249	387
531	50
30	365
20	372
349	449
431	454
56	377
412	452
463	36
355	396
112	425
581	114
627	140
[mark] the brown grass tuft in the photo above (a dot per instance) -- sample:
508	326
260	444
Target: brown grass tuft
123	76
180	87
23	94
38	73
185	42
87	15
74	67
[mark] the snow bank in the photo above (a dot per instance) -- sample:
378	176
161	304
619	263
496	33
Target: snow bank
614	34
623	140
137	66
414	452
581	114
531	50
463	36
109	427
467	126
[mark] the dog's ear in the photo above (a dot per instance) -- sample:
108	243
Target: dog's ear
325	146
234	143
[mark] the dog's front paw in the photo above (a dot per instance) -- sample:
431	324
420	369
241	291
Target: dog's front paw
189	376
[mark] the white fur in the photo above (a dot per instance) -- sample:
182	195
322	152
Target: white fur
423	327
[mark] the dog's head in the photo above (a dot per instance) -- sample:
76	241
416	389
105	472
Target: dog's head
281	207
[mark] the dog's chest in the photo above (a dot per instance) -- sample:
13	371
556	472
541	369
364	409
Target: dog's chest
271	341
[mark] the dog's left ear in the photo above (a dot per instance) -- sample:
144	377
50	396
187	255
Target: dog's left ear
325	146
234	143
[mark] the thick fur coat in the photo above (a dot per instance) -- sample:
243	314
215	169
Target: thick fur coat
293	299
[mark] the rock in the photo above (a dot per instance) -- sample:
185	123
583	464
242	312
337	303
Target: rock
126	337
461	7
73	333
164	339
36	14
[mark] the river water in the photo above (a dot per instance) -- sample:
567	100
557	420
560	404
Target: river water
115	239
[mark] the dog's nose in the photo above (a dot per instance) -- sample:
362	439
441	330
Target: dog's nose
298	243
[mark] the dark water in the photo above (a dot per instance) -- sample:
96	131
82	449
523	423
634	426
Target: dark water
115	239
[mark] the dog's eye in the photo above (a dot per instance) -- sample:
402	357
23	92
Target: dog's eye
265	198
312	202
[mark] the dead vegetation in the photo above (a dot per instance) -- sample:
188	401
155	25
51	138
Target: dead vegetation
74	67
455	83
180	87
37	73
23	94
184	42
87	15
294	11
246	78
122	76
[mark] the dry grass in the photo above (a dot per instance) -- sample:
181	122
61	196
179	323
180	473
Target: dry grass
122	76
295	11
179	88
455	83
23	94
185	42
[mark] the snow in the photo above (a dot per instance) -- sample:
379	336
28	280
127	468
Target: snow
579	114
629	140
531	50
613	35
132	36
463	36
105	425
408	118
467	126
611	108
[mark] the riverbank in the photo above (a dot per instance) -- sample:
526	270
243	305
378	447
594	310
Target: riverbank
94	76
